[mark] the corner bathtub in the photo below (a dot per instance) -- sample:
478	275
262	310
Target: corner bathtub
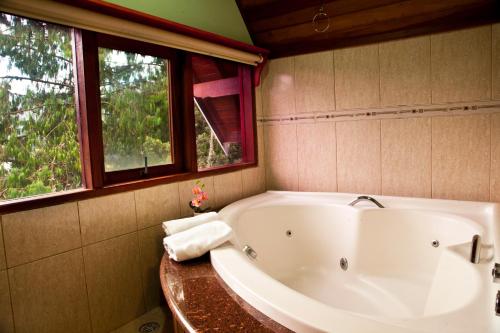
396	280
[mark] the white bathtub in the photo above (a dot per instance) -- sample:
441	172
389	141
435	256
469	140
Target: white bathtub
396	280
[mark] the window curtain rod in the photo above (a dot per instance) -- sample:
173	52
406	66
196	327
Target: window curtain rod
78	17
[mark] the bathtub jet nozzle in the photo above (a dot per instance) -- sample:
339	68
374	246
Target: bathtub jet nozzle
250	252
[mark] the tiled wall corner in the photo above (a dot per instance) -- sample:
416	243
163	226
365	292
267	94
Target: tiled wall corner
461	65
114	283
281	157
357	77
39	233
227	188
6	321
157	204
253	181
406	157
3	263
106	217
317	157
258	101
405	71
495	158
186	194
358	156
151	252
461	157
314	82
496	61
49	295
278	87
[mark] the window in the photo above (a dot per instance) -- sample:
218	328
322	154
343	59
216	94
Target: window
223	112
137	84
39	148
81	109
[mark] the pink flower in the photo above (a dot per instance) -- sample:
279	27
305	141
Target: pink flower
195	203
197	190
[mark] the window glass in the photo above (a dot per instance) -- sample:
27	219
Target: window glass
135	110
39	148
217	92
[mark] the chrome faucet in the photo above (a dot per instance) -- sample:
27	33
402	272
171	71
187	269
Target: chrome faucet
366	198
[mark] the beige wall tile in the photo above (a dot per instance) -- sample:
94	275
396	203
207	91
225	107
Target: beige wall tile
105	217
186	194
157	204
281	157
151	251
496	61
113	274
495	157
406	157
261	145
3	263
357	78
6	322
358	156
314	82
461	65
39	233
405	72
278	87
253	181
49	295
228	188
461	157
317	157
258	101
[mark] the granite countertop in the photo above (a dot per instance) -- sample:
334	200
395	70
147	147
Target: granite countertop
202	302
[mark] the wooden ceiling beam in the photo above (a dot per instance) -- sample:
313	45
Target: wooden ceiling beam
306	14
402	15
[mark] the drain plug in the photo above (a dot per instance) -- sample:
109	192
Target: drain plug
151	326
343	263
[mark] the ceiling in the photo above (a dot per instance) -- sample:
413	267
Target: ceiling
285	27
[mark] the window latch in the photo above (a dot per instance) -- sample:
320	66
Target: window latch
144	173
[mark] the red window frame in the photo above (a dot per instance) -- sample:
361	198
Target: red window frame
97	182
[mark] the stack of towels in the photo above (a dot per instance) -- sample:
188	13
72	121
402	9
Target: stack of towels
194	236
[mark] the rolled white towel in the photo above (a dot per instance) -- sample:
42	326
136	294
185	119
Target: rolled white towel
197	241
174	226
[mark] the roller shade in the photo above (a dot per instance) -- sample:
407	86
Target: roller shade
64	14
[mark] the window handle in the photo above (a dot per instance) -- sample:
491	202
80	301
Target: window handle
145	172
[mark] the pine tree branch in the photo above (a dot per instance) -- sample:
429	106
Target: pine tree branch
12	77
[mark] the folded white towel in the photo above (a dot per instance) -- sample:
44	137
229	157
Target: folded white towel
174	226
197	241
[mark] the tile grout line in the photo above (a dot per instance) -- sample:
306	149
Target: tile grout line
432	171
490	173
84	269
336	157
11	302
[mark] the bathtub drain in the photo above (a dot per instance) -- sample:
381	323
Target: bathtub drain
148	327
343	263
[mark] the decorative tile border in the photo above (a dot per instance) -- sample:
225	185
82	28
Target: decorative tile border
456	109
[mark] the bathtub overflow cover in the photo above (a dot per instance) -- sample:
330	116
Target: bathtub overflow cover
435	243
344	264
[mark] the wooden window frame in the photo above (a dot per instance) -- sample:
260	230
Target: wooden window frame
95	181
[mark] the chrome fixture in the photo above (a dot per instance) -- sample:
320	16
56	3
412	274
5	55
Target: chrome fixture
250	252
475	249
495	272
366	198
497	304
344	264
